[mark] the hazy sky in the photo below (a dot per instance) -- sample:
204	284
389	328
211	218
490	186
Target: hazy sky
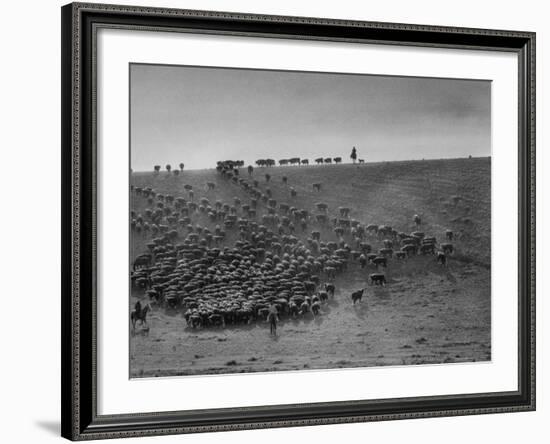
200	115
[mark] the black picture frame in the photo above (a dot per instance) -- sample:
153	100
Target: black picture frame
79	397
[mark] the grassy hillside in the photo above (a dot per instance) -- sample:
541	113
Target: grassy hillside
426	313
381	193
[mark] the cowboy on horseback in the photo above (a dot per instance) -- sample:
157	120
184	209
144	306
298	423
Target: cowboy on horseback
139	314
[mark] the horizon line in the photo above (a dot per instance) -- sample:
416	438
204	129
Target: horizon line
175	166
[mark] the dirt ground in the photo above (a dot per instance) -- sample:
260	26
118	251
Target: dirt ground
425	316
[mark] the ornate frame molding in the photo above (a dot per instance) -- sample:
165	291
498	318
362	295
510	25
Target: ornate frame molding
79	413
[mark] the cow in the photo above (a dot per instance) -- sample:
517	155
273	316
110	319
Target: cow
356	296
293	309
321	218
365	248
372	228
371	257
409	249
427	249
377	279
216	320
344	211
143	260
380	261
315	308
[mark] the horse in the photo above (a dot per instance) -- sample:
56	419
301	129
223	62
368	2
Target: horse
140	314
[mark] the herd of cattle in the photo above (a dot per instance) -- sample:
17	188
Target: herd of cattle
291	161
224	263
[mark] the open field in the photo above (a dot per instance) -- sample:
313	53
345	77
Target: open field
427	313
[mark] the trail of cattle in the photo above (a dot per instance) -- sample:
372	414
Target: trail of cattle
426	313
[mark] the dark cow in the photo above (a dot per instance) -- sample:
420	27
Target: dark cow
372	228
409	249
356	296
315	308
322	206
400	255
371	257
378	260
365	248
216	320
427	249
143	260
330	289
377	279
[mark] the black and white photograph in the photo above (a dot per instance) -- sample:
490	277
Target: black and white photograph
275	222
295	220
